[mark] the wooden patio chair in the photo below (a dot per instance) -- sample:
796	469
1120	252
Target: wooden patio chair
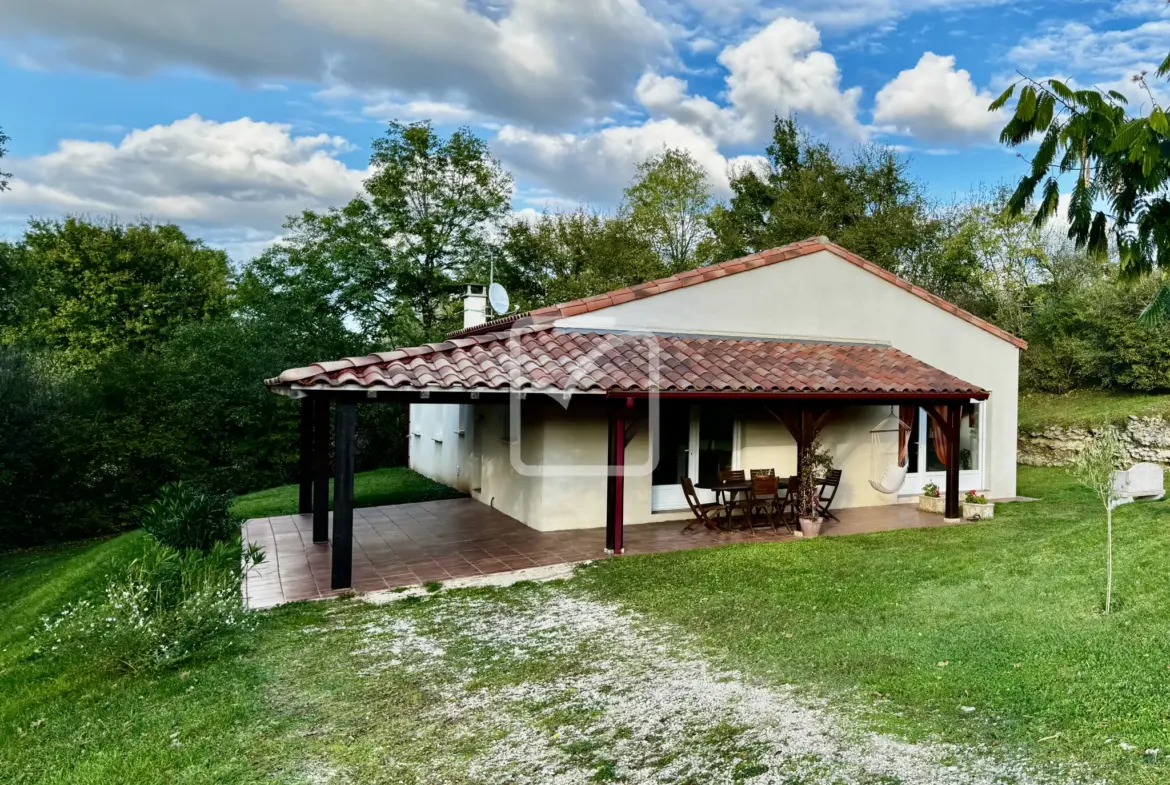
729	475
831	482
763	473
764	499
706	513
788	510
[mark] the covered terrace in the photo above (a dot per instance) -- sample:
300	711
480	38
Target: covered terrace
802	384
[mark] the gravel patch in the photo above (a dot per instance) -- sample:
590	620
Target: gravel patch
551	688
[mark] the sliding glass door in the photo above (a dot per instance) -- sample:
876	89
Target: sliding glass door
693	441
927	466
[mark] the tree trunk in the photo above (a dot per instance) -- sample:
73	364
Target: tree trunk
1108	559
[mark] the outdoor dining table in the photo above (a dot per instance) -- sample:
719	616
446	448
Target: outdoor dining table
733	488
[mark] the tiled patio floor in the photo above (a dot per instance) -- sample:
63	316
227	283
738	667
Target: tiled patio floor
406	544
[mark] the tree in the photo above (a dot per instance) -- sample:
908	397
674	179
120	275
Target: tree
96	288
3	151
667	203
1093	468
870	205
565	256
1117	158
396	255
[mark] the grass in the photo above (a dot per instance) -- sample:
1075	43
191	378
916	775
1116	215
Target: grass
397	485
1002	617
1087	408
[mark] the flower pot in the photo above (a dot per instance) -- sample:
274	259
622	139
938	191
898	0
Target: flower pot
810	527
934	504
978	512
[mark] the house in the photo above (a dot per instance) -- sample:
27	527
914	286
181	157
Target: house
587	414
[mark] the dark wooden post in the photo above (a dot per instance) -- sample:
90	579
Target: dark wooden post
954	415
343	497
305	470
616	479
320	468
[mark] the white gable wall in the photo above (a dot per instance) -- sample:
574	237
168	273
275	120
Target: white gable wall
823	297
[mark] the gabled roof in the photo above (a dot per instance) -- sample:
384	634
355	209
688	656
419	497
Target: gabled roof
543	357
732	267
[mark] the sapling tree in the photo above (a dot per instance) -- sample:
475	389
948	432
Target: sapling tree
1093	468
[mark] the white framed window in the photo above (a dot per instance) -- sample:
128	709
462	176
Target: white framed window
695	441
927	467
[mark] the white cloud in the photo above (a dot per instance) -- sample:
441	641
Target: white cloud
235	182
778	70
781	69
935	102
837	15
1094	57
596	166
545	62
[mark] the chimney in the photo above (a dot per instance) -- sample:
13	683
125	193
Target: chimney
475	306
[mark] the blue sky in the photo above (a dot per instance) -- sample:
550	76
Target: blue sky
226	115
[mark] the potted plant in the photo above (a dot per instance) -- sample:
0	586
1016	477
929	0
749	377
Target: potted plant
814	464
931	500
976	507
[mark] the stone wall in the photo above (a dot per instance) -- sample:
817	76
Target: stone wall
1145	438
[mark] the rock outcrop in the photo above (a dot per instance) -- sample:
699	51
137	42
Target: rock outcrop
1145	438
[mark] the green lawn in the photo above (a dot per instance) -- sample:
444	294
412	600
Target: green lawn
398	485
1087	408
987	634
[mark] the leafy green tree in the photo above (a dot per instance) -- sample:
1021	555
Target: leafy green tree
394	257
869	205
1118	160
565	256
3	151
667	203
96	288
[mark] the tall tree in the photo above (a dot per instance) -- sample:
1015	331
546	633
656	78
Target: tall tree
1118	159
397	253
667	203
869	205
565	256
96	288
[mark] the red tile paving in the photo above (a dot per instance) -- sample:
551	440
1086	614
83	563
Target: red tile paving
407	544
543	357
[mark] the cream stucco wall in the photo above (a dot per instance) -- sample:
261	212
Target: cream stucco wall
825	298
495	480
819	297
441	437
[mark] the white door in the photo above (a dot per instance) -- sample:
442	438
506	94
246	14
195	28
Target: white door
692	441
925	466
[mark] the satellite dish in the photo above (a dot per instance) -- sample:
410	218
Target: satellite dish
498	297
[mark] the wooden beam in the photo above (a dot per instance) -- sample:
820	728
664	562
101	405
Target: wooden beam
342	577
320	469
615	496
305	467
954	414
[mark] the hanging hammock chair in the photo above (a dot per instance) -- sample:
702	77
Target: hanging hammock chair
887	469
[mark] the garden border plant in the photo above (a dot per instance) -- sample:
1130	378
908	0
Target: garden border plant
180	599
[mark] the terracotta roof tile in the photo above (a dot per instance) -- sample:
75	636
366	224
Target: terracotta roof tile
542	357
731	267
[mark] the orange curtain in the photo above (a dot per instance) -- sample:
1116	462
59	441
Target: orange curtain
906	414
940	438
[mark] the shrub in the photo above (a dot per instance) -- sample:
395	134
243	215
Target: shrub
930	489
166	607
188	519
